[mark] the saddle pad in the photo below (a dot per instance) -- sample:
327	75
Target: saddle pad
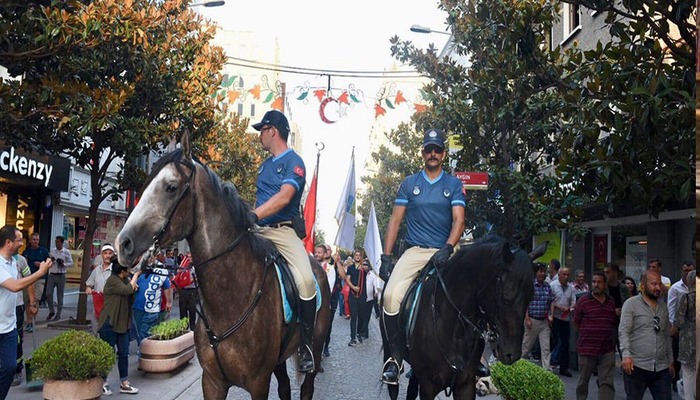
412	297
287	308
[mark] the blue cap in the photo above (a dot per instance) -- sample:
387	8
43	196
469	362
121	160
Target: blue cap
434	137
276	119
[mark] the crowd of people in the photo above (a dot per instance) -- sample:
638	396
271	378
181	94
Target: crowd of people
650	327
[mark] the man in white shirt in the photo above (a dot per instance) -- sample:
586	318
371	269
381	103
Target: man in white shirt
97	279
11	240
564	301
62	260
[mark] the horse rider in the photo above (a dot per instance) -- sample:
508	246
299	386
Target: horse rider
280	183
433	203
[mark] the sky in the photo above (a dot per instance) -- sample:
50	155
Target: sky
333	35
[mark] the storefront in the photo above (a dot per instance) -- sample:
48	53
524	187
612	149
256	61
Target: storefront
70	218
29	184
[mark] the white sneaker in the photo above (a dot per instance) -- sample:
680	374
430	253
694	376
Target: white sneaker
106	391
127	388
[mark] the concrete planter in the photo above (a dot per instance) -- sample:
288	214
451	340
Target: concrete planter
73	390
158	356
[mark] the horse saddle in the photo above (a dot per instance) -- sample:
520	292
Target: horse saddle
410	303
288	290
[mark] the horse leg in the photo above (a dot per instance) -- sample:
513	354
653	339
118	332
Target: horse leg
307	388
412	390
393	391
284	389
259	389
465	387
212	388
427	390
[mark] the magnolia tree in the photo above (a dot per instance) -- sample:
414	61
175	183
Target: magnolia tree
105	81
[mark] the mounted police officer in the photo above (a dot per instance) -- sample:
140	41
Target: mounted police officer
433	203
280	183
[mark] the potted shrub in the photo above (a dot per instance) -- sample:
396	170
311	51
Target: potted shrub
524	380
170	345
72	365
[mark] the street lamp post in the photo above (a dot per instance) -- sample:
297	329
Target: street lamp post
447	49
424	29
212	3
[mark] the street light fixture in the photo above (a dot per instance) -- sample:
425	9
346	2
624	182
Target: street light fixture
424	29
212	3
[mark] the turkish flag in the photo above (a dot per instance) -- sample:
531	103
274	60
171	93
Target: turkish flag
310	215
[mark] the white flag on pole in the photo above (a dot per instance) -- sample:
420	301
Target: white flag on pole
345	213
373	244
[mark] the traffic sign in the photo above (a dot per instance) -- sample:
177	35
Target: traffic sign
473	180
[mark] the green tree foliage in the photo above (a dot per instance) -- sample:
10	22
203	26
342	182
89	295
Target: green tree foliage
565	130
235	155
103	81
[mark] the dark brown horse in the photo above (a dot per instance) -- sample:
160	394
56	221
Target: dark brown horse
242	338
481	294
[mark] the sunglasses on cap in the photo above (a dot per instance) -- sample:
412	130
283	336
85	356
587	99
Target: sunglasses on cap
431	148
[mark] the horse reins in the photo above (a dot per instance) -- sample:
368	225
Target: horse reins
486	334
214	340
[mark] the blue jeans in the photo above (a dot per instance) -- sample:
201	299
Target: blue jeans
144	322
8	361
121	340
659	384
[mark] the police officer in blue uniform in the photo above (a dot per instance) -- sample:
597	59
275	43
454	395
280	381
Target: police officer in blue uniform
280	183
433	204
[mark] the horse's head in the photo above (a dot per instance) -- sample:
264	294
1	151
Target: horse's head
164	211
504	294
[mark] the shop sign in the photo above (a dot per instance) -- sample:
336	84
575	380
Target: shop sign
50	172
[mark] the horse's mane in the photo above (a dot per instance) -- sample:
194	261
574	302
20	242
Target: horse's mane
237	208
468	257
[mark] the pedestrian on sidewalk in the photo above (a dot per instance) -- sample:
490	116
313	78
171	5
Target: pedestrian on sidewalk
147	299
355	280
115	321
35	255
645	341
57	277
685	326
188	297
564	301
11	239
97	279
20	310
595	319
539	315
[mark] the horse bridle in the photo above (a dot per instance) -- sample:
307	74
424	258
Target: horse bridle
488	333
214	340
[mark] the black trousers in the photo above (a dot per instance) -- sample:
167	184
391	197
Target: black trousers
188	305
354	303
334	306
20	334
561	330
365	315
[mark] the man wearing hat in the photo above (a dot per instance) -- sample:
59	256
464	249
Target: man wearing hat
433	203
98	277
280	183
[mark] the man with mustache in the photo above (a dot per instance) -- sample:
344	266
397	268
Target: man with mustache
595	319
645	341
433	203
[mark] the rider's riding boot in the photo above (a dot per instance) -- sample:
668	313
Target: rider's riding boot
308	318
392	366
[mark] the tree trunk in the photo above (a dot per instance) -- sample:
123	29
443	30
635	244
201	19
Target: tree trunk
95	200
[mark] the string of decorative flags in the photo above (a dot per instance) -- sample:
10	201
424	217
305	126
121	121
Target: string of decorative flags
333	103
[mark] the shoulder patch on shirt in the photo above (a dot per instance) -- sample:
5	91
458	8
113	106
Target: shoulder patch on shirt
260	170
446	193
299	170
416	190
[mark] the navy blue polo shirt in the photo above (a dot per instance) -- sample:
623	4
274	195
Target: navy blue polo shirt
39	254
429	207
285	169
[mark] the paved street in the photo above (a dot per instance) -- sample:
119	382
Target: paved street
350	373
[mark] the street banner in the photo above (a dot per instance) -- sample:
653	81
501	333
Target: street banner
345	213
373	243
310	214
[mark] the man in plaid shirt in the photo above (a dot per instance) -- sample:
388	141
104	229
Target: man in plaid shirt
538	317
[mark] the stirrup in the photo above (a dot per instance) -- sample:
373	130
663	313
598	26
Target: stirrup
399	371
313	362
